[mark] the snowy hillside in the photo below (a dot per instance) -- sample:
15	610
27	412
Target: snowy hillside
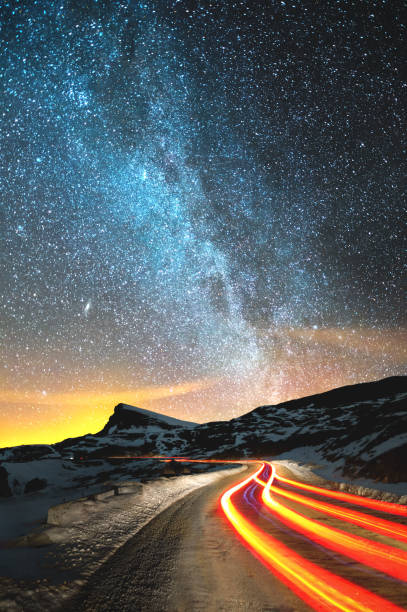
131	430
125	416
85	464
359	431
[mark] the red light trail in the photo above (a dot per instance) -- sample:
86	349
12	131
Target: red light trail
374	504
318	587
372	523
382	557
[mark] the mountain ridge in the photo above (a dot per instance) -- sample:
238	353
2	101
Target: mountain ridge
359	430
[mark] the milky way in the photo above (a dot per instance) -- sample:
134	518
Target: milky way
205	193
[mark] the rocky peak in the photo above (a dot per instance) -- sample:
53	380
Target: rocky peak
127	417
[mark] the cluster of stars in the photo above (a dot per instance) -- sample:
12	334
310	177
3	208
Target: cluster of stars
189	189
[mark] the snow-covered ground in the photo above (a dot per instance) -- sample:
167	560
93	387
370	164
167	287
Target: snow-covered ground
43	578
156	416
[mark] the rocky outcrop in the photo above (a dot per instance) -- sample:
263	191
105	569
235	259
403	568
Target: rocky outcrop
36	484
127	417
5	490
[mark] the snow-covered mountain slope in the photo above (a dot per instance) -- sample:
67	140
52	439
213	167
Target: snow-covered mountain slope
126	416
132	431
360	430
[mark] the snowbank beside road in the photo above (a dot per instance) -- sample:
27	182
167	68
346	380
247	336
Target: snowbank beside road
57	571
308	464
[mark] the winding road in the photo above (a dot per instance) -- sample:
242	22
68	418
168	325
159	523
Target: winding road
267	543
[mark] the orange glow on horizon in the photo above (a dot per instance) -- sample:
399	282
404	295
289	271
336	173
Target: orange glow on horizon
296	362
44	419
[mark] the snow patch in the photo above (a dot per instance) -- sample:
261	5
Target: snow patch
385	446
159	417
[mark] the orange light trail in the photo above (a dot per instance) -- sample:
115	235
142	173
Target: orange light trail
318	587
372	523
382	557
374	504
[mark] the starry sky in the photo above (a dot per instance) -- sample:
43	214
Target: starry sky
201	206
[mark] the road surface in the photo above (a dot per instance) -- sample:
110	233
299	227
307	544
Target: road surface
270	545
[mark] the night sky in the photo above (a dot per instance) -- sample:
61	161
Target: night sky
201	206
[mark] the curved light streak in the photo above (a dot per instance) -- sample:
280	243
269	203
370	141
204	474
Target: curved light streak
367	502
320	588
367	521
382	557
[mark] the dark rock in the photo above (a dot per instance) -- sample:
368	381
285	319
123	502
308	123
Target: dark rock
36	484
388	467
173	468
5	490
126	417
